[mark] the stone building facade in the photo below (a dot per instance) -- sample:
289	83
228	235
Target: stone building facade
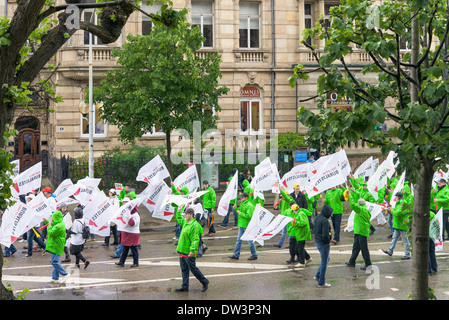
258	42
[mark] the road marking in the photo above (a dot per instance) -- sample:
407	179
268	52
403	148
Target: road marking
71	279
227	265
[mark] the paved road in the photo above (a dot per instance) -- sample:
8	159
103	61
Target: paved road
268	278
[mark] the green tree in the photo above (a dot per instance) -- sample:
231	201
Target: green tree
411	90
161	82
34	34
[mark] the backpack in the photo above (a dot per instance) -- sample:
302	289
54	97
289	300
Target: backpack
86	232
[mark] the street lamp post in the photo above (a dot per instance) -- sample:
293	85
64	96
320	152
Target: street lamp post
91	106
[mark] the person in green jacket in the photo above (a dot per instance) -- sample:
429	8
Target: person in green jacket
209	201
400	226
128	191
184	190
187	248
301	231
245	212
361	230
56	234
334	198
441	201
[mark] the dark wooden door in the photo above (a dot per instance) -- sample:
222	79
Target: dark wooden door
27	148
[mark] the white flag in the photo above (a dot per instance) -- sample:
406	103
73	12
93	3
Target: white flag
436	230
366	169
154	171
166	211
188	178
123	214
99	212
16	220
65	189
274	227
27	181
228	195
297	175
151	194
329	175
343	161
40	204
259	221
397	189
86	190
16	169
379	179
181	199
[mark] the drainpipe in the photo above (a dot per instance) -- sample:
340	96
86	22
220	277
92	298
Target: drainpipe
273	64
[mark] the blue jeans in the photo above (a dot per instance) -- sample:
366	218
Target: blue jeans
210	220
433	265
10	250
31	237
390	222
283	236
336	223
189	264
324	250
238	244
178	230
226	218
57	267
403	235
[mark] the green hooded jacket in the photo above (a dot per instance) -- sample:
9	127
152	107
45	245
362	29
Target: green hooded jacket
400	216
189	238
441	197
246	209
362	217
332	198
56	234
300	225
250	191
209	199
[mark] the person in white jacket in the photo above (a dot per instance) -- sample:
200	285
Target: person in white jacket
76	238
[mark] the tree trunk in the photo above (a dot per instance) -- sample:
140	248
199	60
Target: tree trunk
420	232
169	163
5	294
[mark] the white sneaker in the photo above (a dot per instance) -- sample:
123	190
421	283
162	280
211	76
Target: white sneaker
326	285
310	260
300	265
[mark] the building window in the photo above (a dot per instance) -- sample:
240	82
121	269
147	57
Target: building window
308	20
100	126
95	40
203	17
147	23
249	25
156	130
250	110
327	12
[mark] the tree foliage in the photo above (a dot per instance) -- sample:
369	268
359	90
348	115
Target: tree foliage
411	90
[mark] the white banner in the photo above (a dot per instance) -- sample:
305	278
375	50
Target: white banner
86	190
342	159
188	178
65	190
366	169
123	214
265	176
151	194
228	195
99	212
167	211
40	204
379	178
16	170
297	175
154	171
397	189
16	220
436	230
329	175
274	227
27	181
181	199
259	221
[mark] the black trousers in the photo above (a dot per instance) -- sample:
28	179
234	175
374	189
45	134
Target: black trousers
134	252
360	244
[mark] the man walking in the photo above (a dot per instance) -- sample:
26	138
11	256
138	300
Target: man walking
187	248
322	242
209	200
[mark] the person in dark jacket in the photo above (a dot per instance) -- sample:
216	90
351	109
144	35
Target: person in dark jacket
299	197
322	242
